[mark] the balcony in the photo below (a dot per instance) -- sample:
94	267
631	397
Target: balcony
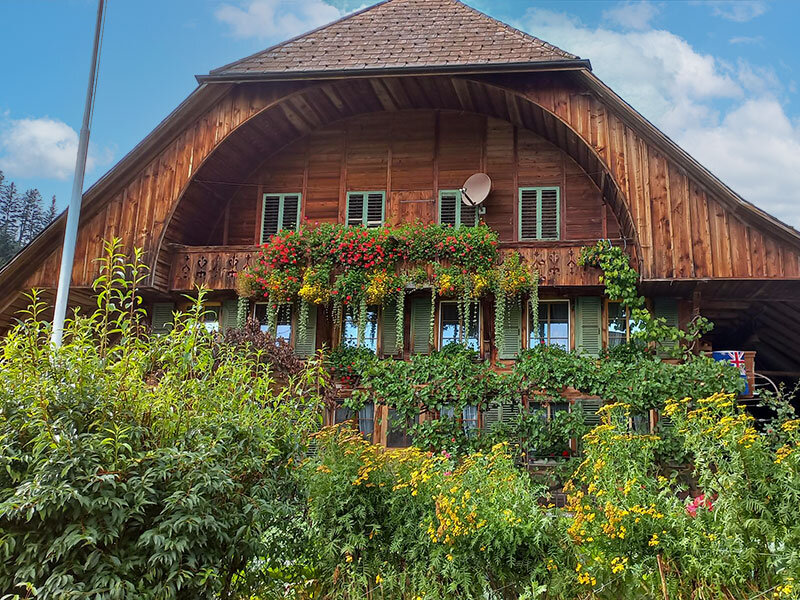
216	266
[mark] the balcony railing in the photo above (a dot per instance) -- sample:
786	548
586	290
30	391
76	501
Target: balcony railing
216	266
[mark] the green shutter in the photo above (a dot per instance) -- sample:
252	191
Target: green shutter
448	207
161	316
421	325
389	329
509	412
279	212
375	211
366	208
667	309
540	213
230	309
308	345
588	338
590	406
491	416
511	336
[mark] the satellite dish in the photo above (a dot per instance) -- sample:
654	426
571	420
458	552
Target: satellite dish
476	189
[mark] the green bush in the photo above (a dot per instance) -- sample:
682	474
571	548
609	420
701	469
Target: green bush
143	466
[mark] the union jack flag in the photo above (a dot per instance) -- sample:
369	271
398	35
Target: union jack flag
736	358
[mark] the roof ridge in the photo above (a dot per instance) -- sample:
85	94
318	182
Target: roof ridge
414	33
300	35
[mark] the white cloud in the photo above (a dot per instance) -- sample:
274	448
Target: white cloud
41	147
632	15
746	39
275	18
740	11
726	115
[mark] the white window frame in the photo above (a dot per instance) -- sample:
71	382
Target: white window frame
569	321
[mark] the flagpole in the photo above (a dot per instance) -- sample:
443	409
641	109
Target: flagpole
74	211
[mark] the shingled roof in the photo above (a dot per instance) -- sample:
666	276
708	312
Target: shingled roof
400	35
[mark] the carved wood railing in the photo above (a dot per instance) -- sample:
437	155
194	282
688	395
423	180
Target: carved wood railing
216	266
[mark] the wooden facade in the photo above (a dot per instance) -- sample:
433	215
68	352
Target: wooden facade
190	194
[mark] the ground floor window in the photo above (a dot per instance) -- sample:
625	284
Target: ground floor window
553	327
398	434
619	324
211	318
453	331
366	420
469	417
350	329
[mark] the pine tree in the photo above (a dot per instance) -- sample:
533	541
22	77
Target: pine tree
22	217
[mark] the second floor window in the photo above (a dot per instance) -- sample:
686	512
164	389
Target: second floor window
283	321
452	211
350	329
279	212
553	329
453	331
539	213
366	208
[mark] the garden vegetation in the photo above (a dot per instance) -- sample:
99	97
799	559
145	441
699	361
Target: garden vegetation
192	465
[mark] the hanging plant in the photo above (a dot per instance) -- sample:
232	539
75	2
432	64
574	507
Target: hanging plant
362	320
513	280
432	318
316	285
381	287
302	320
241	311
399	321
533	299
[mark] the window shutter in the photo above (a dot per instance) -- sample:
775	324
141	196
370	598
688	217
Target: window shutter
509	412
269	216
308	346
587	330
161	317
375	209
528	199
491	416
389	330
664	421
291	212
355	209
590	407
447	208
549	214
421	325
469	215
667	309
230	309
511	337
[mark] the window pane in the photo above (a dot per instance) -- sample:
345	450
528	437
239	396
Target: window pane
447	412
553	325
211	318
397	436
343	414
350	329
283	320
559	311
469	420
450	326
617	324
366	420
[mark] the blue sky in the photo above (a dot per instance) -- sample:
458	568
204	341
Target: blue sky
721	78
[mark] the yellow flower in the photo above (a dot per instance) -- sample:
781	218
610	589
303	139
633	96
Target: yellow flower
378	578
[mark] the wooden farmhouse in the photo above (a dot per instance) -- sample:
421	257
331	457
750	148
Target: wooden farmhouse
379	119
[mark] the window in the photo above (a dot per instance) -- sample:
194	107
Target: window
619	324
398	435
283	321
350	329
211	318
342	414
279	212
452	211
366	208
539	213
469	417
452	331
366	420
553	325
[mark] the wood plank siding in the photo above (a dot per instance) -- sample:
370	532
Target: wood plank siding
196	180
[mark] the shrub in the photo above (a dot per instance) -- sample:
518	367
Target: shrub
136	465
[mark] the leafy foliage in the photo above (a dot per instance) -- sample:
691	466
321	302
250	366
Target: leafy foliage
144	466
